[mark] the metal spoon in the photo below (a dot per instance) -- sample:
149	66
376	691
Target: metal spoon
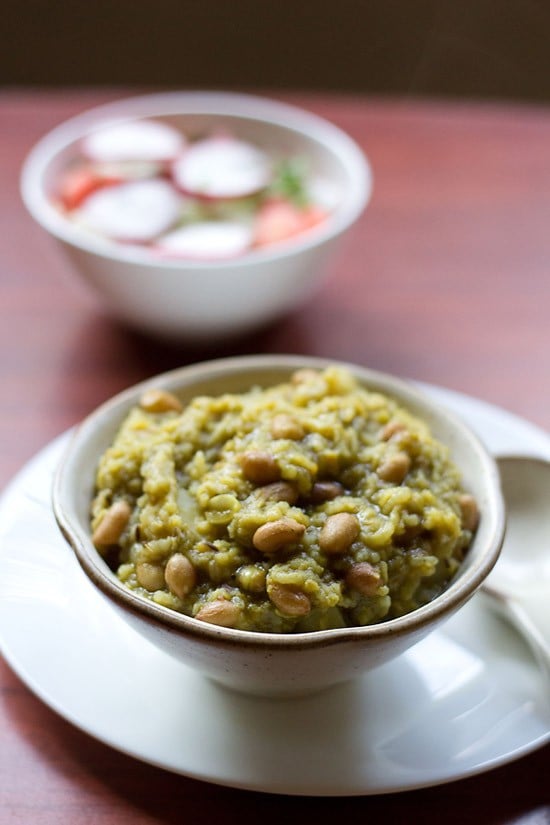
519	586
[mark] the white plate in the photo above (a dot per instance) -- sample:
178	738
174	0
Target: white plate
461	702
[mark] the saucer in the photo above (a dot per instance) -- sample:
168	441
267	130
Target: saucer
465	700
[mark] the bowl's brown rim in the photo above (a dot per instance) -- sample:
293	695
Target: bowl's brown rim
458	592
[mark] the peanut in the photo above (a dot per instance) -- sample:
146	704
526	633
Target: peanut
273	535
112	525
159	401
150	576
289	601
259	467
364	578
180	575
221	612
469	511
284	426
325	491
391	428
394	468
279	491
338	533
303	375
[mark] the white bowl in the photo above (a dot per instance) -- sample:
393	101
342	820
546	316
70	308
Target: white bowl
205	300
270	663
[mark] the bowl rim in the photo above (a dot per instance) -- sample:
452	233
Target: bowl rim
226	104
459	591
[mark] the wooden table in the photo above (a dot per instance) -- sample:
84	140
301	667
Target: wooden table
445	279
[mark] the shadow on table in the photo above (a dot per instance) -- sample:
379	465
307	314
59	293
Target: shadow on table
100	357
113	357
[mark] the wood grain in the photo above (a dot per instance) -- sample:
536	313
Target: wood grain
444	279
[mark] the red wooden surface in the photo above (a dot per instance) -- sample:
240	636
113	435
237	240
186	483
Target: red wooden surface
445	279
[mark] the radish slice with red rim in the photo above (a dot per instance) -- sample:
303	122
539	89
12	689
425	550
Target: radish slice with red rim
144	140
135	211
208	240
222	167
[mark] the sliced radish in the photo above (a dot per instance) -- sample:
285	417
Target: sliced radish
278	220
222	167
79	182
210	240
136	211
145	140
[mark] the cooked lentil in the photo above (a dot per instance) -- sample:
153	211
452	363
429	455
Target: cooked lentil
310	505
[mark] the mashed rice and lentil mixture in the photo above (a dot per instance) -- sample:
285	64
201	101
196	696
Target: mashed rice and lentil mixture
309	505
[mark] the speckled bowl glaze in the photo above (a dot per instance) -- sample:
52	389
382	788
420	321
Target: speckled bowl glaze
202	300
267	663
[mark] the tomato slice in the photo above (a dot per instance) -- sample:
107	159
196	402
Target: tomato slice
281	219
77	183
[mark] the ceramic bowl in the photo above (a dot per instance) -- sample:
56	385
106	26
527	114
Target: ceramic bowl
201	300
268	663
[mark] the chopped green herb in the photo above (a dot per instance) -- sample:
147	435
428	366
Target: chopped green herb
289	181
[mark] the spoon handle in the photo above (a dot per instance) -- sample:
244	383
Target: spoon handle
513	611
